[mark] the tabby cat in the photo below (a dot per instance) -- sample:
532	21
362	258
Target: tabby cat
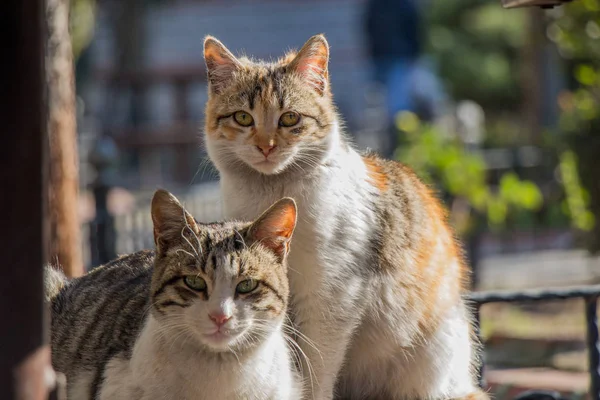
200	318
376	276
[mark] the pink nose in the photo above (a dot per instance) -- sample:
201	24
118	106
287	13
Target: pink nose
219	319
266	149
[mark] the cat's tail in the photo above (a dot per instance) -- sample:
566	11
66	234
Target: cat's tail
54	282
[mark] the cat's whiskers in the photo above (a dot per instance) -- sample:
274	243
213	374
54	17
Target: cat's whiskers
295	347
185	251
168	327
302	162
188	241
205	165
296	166
182	333
231	349
227	155
302	336
297	359
294	270
299	354
169	323
241	238
188	227
145	312
197	240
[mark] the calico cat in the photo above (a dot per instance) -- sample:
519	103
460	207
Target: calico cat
376	276
199	318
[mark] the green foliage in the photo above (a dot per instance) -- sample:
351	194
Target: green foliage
575	29
476	45
438	157
577	199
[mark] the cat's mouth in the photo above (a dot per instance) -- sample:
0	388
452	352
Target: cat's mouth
266	166
220	338
271	165
265	163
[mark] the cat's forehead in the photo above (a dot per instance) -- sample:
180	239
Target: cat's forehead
227	248
265	85
227	263
222	232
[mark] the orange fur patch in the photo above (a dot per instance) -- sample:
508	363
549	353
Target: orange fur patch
377	176
431	261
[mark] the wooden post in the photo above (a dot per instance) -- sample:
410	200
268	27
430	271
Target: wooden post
532	75
24	360
65	241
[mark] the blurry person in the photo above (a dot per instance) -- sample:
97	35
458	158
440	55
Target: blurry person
393	32
394	43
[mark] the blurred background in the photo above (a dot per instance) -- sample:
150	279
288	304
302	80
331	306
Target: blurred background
498	109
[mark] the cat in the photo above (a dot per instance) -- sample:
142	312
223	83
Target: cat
201	317
376	276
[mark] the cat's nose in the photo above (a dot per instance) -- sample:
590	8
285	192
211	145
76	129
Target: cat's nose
266	149
219	319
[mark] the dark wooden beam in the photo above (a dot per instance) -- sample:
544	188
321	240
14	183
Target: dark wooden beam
23	359
533	3
65	232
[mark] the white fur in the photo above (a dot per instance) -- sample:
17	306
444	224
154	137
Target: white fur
333	303
177	369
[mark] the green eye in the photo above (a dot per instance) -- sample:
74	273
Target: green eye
194	282
243	118
290	118
246	286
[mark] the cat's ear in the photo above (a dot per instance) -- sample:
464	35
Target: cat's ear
274	228
170	220
220	64
311	63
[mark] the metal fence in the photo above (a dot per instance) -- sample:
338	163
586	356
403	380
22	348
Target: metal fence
589	294
107	236
134	230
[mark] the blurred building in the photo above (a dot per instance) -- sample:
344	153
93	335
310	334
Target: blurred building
146	84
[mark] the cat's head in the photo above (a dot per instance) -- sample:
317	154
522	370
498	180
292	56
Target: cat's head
224	284
269	117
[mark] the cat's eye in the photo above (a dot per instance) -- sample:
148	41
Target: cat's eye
289	118
243	118
194	282
246	286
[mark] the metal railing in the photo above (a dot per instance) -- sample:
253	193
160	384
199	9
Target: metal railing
589	294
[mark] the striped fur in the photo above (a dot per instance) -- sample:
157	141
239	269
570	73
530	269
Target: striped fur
133	329
376	276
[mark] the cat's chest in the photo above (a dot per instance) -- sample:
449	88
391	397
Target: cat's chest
194	381
247	203
334	222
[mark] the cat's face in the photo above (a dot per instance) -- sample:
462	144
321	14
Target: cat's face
223	284
268	116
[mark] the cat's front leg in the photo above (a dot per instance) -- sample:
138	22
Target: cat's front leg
326	323
323	357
